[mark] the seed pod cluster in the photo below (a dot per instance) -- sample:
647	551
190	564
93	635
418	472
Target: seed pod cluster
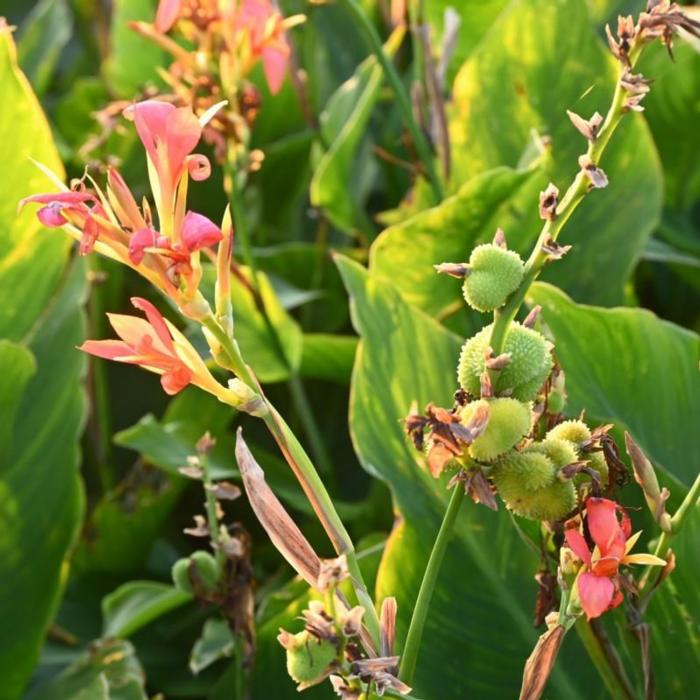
530	362
308	658
202	566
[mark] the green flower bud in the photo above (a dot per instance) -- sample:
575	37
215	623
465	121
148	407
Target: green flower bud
574	430
530	362
509	421
519	474
494	274
308	658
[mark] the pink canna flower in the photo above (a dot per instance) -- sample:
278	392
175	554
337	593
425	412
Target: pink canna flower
598	582
169	134
156	345
264	26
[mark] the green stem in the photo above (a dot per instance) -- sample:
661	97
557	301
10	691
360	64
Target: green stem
578	189
421	143
211	505
606	661
676	522
409	656
296	387
304	471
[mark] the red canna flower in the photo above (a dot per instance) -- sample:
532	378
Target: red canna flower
156	345
598	583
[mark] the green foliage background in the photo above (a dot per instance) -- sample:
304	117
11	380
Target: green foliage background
92	506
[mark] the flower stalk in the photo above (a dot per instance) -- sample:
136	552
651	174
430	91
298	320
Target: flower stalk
411	648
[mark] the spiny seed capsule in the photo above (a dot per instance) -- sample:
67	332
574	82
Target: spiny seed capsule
552	502
494	274
206	567
509	421
519	474
560	452
530	362
574	430
308	658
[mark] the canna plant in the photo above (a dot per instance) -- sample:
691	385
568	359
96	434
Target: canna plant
507	441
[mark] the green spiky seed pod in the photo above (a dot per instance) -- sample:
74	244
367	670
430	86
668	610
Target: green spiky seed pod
574	430
181	576
530	362
553	502
519	474
308	658
494	274
561	452
509	421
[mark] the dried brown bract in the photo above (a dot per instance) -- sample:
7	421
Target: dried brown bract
554	250
548	202
588	127
596	176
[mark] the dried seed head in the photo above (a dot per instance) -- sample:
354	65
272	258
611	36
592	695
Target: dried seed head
548	202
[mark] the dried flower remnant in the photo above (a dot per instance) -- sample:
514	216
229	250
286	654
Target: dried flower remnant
588	127
549	199
598	582
596	176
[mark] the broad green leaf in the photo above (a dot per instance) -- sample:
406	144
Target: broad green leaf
40	310
18	366
44	33
478	633
659	251
627	367
672	110
138	603
327	356
121	528
405	253
335	185
216	643
539	59
109	670
133	60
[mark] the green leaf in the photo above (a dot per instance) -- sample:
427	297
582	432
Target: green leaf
40	312
45	32
405	253
109	670
539	59
659	251
133	60
335	185
628	367
672	110
479	620
328	357
216	643
138	603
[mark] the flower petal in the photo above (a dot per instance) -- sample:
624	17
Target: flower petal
578	545
139	241
198	167
603	523
167	14
107	349
157	322
199	232
275	58
51	215
150	118
596	593
175	380
61	197
647	559
182	134
132	330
